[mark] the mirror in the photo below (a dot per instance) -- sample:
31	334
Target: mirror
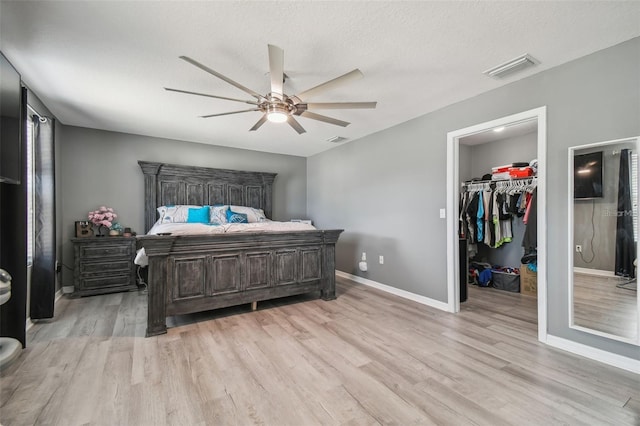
603	219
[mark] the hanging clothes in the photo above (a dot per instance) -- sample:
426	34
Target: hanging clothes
480	218
530	239
462	216
489	229
471	214
502	220
489	208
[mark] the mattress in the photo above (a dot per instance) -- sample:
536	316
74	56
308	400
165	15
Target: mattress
209	229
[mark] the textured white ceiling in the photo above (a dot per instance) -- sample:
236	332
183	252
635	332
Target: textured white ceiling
104	64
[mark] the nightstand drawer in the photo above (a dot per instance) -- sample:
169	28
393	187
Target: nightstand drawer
103	265
120	265
106	250
104	282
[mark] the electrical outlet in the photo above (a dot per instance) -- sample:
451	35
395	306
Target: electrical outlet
578	248
381	260
364	256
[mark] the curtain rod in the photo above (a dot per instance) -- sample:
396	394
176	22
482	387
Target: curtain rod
40	116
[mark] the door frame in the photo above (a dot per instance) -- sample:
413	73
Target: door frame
453	197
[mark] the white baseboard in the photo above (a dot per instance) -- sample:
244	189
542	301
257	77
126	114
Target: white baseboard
29	324
619	361
58	296
398	292
595	272
68	289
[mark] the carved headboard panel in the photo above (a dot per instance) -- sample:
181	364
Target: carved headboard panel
173	184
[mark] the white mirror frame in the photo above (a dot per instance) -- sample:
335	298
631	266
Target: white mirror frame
570	217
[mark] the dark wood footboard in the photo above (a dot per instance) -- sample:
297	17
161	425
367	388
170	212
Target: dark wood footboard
197	273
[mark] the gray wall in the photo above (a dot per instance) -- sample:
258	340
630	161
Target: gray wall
501	152
594	221
97	168
392	183
483	157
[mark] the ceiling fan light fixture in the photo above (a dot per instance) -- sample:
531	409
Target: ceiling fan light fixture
277	113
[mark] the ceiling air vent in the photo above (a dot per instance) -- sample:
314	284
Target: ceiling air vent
512	66
336	139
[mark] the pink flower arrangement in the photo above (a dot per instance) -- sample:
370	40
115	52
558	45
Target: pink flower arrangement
104	216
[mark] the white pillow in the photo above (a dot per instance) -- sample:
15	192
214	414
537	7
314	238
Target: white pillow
174	213
253	215
218	214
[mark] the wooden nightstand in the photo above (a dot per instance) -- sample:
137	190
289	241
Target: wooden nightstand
103	265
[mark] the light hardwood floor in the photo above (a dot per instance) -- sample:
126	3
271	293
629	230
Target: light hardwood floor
365	358
600	305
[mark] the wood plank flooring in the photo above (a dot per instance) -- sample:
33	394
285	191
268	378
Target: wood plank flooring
366	358
600	305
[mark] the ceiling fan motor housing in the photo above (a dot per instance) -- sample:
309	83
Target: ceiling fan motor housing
278	111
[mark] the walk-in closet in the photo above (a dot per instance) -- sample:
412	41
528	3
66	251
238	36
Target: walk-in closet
497	210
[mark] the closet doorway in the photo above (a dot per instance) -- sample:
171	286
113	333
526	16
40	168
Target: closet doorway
471	154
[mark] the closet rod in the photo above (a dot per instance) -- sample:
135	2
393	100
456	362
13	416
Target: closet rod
490	184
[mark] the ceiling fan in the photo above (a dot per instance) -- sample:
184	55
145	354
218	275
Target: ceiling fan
278	107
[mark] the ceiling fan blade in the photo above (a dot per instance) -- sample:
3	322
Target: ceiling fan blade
276	69
324	118
211	96
341	105
259	123
229	113
328	85
220	76
293	123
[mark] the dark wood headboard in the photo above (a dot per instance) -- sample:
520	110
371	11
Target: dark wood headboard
173	184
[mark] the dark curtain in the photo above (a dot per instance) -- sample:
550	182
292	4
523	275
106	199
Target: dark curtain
13	243
625	240
43	274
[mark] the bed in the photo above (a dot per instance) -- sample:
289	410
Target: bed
230	265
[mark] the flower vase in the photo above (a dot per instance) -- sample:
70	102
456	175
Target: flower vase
102	231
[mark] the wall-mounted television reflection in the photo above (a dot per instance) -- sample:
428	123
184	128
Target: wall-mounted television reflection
587	176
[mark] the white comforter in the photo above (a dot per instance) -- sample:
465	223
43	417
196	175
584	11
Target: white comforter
203	229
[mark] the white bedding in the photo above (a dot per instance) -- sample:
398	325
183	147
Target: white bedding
205	229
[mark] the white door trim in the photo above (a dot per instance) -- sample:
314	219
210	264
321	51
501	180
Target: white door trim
453	190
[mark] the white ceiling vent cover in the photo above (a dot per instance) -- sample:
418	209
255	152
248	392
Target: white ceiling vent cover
512	66
336	139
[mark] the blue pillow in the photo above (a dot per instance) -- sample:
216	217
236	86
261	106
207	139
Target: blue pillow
233	217
199	215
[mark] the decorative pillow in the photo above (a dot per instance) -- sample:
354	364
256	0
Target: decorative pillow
233	217
174	213
253	215
218	214
198	215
